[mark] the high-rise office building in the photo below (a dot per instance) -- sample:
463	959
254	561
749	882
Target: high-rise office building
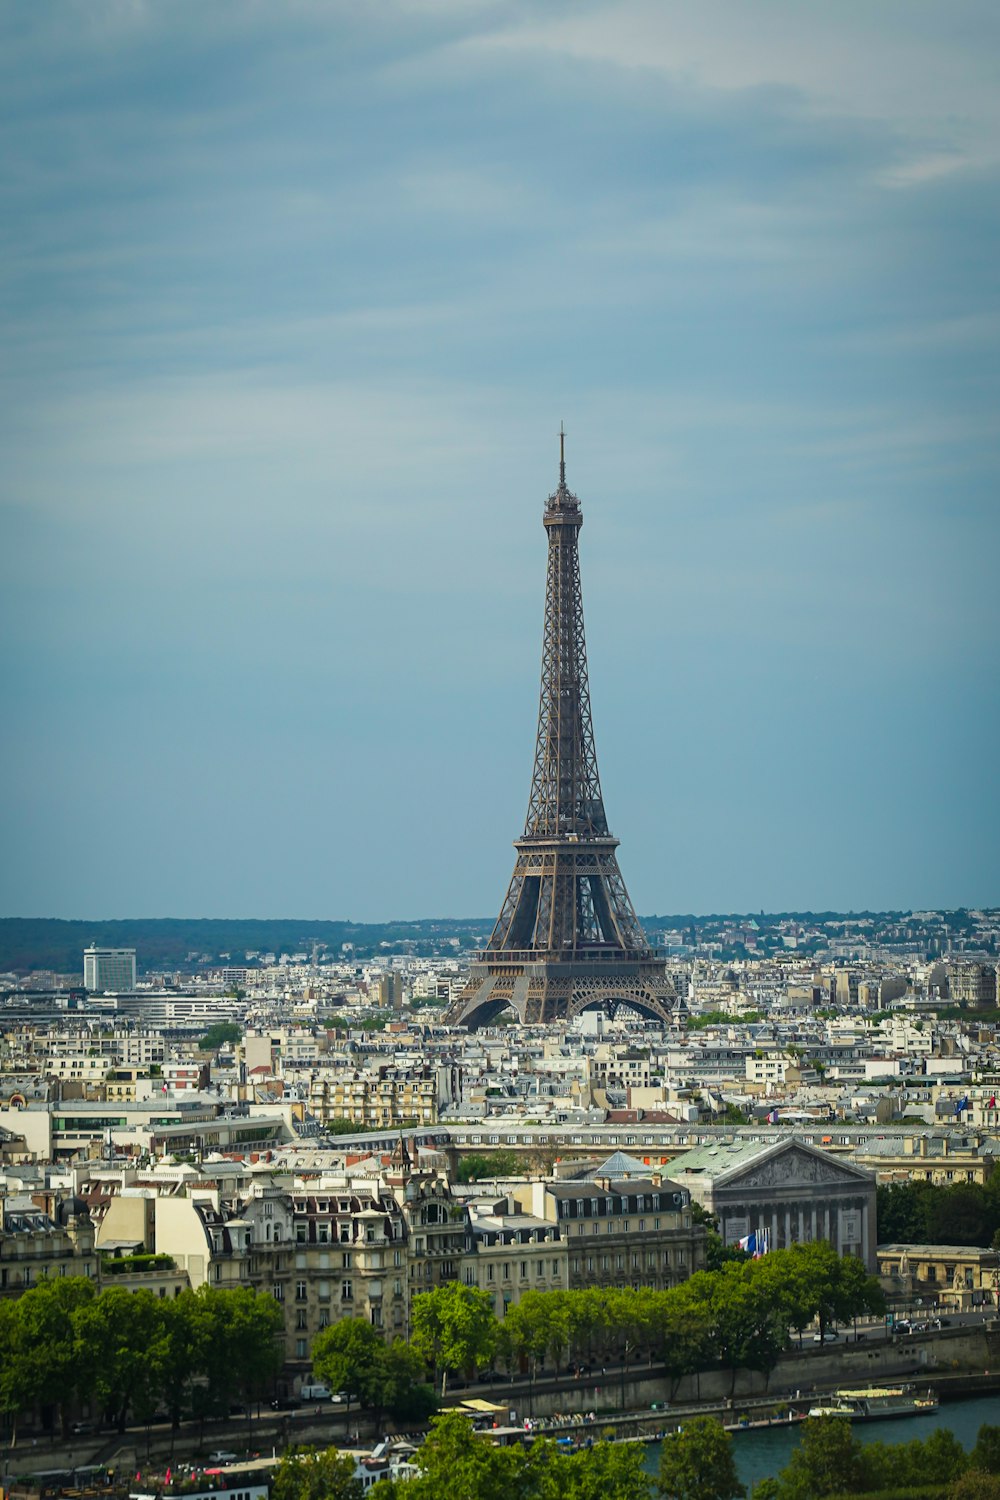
108	969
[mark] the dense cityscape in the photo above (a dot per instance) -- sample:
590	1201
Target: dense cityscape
313	1128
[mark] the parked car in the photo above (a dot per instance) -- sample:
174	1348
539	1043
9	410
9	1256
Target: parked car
222	1456
829	1337
81	1428
285	1403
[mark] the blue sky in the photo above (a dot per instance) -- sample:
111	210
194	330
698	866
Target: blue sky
294	296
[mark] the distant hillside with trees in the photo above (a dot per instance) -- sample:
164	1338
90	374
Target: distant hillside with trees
168	943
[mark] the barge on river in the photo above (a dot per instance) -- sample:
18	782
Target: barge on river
868	1403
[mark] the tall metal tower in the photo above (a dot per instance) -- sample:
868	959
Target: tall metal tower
567	938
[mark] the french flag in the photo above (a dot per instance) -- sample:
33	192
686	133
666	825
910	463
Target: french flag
748	1243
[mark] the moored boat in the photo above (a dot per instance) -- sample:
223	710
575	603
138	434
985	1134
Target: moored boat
867	1403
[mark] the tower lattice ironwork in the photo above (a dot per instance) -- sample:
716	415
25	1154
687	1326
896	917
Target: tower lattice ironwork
567	938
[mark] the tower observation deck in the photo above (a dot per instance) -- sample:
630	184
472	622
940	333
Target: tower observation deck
567	938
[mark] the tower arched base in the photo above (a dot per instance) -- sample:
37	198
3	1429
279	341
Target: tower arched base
545	992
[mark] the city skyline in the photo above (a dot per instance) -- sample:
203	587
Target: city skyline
294	302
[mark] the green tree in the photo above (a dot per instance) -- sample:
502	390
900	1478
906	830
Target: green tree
718	1253
961	1215
975	1484
176	1353
453	1461
235	1333
396	1386
747	1327
115	1333
453	1328
986	1453
219	1035
923	1461
836	1287
346	1355
13	1394
480	1164
608	1471
696	1463
52	1367
827	1461
680	1335
308	1474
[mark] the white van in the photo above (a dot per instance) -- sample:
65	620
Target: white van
315	1393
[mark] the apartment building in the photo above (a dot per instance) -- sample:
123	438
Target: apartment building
381	1099
43	1236
633	1231
509	1252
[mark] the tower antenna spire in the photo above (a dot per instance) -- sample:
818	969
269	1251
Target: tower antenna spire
562	456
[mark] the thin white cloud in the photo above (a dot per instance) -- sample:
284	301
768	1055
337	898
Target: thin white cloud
929	71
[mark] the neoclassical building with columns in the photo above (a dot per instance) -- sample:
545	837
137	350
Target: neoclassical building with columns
795	1192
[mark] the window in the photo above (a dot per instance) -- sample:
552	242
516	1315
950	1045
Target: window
346	1292
506	1270
301	1318
300	1291
524	1270
301	1348
347	1260
323	1291
278	1292
489	1272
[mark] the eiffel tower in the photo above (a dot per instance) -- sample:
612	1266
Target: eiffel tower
567	938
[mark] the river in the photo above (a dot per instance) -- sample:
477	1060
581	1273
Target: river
767	1450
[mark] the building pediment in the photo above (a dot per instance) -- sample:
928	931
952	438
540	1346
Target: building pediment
794	1166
